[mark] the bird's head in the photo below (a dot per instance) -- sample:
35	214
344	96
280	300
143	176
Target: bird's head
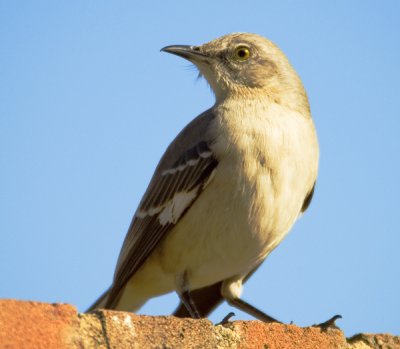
245	65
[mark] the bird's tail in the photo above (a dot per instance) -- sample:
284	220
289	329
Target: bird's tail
100	302
132	300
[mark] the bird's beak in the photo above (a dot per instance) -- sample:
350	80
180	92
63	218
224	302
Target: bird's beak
191	53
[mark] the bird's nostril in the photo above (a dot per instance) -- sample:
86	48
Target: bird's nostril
195	48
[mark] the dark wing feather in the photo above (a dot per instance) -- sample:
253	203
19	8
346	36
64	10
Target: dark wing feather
190	173
307	200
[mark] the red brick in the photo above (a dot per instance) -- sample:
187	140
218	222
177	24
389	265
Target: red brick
36	325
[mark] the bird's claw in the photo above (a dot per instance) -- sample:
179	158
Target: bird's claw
329	324
226	319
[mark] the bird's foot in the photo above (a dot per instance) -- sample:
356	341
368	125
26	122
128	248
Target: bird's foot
226	319
329	324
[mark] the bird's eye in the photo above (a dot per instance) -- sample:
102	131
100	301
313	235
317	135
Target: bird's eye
241	54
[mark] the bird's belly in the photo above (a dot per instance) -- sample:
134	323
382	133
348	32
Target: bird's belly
221	235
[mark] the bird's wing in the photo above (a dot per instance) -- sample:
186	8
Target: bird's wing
183	172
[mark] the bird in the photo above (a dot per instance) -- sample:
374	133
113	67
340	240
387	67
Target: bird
229	187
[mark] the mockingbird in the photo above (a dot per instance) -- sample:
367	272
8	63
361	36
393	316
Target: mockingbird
228	188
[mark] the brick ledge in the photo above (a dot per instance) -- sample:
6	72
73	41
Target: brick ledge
41	325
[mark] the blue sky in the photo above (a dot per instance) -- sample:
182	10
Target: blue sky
88	104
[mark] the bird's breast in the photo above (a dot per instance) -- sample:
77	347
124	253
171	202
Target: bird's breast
269	162
265	171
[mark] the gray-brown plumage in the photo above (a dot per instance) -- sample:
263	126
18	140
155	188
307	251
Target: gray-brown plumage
228	188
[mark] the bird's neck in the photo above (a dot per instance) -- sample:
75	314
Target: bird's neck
294	99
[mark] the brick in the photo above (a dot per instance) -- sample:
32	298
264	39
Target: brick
41	325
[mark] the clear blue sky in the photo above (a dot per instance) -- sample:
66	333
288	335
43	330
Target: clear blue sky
88	104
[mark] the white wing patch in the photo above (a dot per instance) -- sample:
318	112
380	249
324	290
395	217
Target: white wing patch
176	206
151	212
192	162
180	168
173	209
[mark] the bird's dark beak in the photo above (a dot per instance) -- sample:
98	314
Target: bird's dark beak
191	53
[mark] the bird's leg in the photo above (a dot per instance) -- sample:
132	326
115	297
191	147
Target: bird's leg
249	309
258	314
188	302
183	290
231	290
